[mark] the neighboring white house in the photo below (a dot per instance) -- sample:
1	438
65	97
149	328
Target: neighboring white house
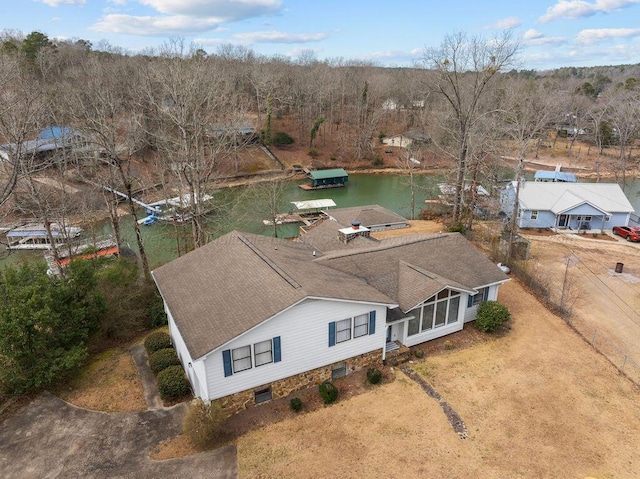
407	139
254	317
559	205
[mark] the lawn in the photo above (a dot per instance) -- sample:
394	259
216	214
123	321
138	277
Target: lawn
109	383
537	402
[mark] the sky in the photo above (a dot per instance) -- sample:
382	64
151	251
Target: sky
553	33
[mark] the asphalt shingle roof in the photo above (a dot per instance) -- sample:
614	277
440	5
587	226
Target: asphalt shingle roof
560	197
239	280
369	216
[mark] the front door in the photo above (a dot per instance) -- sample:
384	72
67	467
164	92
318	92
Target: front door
562	221
389	334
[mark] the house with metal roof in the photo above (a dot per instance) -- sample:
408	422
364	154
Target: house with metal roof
555	176
331	178
572	206
254	317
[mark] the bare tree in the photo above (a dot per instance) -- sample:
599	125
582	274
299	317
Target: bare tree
527	110
108	115
624	115
199	124
22	112
465	67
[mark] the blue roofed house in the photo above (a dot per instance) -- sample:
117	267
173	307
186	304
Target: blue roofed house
571	206
254	318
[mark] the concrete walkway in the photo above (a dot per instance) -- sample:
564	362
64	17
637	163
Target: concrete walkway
149	384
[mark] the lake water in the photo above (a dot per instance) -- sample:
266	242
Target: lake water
239	212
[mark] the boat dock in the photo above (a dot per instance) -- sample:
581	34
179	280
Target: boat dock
308	212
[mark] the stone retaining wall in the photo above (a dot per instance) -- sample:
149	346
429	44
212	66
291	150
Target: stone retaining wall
283	387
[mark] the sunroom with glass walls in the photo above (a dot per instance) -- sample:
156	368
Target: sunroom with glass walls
439	315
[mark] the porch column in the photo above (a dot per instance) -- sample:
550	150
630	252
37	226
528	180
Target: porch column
384	345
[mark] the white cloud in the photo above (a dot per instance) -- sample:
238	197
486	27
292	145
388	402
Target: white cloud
582	8
532	34
57	3
227	10
534	37
506	23
279	37
177	24
597	35
183	16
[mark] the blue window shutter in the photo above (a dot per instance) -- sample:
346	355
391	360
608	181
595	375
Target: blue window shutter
332	333
226	360
469	301
485	295
372	322
277	355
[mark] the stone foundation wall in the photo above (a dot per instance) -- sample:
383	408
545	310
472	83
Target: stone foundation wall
283	387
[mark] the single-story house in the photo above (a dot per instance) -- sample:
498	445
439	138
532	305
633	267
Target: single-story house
254	317
559	205
374	217
555	176
407	139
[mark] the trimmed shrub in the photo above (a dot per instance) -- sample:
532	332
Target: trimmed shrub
328	392
162	359
418	353
374	375
282	138
295	404
203	422
491	315
172	383
156	341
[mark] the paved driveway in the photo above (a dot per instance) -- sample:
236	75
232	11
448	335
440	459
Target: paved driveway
51	439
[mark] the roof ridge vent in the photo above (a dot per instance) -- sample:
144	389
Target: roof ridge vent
271	264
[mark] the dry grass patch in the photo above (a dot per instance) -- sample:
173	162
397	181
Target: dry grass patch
109	383
537	402
179	446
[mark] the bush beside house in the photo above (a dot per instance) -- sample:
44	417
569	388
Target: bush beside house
491	316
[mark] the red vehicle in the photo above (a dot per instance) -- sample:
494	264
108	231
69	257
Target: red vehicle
630	233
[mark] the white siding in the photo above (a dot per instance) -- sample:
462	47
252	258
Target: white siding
470	313
304	339
433	334
194	369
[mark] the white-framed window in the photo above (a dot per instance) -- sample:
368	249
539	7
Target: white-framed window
361	325
439	310
251	355
534	214
343	330
587	218
480	297
352	328
263	352
241	358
